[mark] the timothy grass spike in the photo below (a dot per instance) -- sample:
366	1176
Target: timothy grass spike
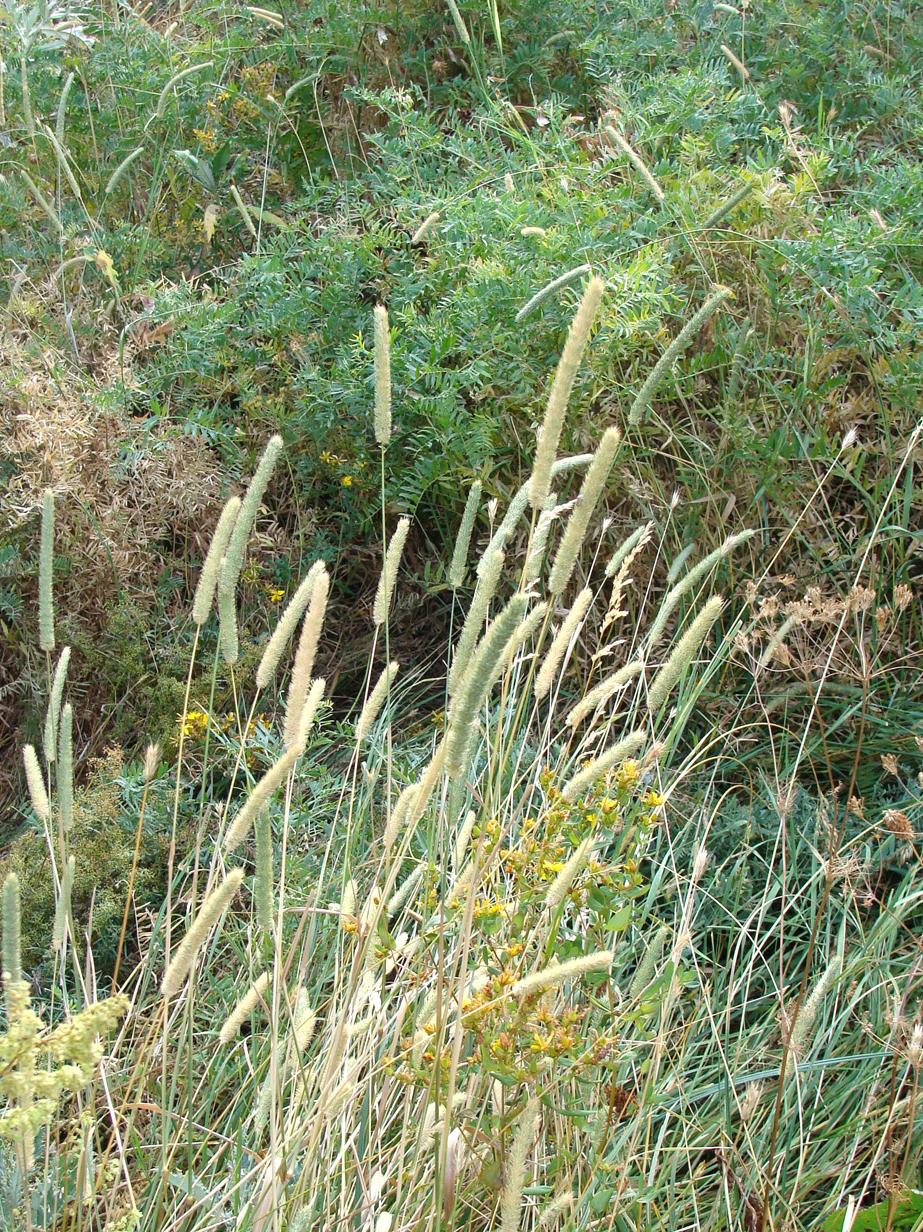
243	1009
36	784
459	563
53	713
208	578
558	398
683	653
382	376
390	566
46	575
208	916
612	757
286	625
562	640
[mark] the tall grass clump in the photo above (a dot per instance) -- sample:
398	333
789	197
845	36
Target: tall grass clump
481	982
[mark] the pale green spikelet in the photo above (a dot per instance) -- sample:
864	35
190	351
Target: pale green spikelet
616	139
577	524
477	680
286	625
263	878
602	764
208	578
624	550
63	905
65	776
557	1206
392	563
646	394
309	712
693	575
426	785
463	839
53	713
227	613
572	969
46	575
259	797
560	887
538	544
777	639
12	929
249	508
459	21
382	376
375	701
558	398
251	999
524	631
648	964
402	894
520	501
562	280
683	653
474	621
459	564
602	692
305	655
36	783
426	227
561	642
515	1172
208	916
398	815
801	1031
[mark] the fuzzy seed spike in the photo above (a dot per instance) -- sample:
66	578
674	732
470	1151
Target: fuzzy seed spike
208	578
46	575
558	398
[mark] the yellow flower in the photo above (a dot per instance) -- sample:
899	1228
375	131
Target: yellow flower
275	594
628	773
653	799
347	481
195	724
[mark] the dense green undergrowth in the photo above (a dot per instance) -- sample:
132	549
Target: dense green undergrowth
197	215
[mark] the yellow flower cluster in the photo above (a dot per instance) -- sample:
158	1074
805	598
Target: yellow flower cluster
37	1068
